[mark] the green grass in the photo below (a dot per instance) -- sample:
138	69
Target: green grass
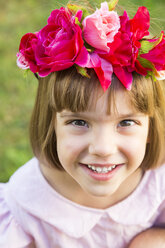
17	94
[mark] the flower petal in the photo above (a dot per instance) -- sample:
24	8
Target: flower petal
103	70
124	76
140	23
100	28
83	58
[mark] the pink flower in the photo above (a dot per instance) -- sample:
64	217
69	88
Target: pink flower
22	62
60	44
100	28
26	55
160	75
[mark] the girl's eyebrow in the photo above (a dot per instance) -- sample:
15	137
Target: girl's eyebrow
86	115
68	114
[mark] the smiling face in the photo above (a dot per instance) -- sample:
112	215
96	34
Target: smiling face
102	152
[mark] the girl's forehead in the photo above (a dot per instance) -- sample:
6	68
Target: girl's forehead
118	103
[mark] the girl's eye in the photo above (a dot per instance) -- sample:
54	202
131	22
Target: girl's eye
127	123
79	123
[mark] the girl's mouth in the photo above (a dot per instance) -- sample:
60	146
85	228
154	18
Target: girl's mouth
101	172
101	169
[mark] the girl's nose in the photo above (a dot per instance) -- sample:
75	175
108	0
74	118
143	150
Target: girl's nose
103	144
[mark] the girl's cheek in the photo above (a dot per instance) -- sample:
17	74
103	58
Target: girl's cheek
71	145
133	145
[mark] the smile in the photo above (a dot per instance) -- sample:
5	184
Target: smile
101	170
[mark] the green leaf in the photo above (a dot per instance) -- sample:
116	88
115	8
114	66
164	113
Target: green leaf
112	4
82	71
159	39
146	45
145	63
151	74
74	8
85	13
77	22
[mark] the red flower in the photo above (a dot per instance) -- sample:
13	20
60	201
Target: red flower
140	24
27	50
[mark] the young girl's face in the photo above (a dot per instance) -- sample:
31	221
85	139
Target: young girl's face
101	151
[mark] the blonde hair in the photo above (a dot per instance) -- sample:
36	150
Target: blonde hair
69	90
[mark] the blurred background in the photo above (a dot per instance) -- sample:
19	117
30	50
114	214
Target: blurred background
17	92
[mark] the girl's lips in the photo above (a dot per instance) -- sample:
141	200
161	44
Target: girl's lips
99	176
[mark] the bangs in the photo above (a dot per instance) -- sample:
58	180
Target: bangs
71	91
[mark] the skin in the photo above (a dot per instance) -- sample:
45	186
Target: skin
94	137
151	238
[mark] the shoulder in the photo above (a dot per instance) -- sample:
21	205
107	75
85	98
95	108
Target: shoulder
22	176
10	230
153	184
24	184
157	177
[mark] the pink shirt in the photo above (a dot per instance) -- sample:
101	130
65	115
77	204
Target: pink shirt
33	214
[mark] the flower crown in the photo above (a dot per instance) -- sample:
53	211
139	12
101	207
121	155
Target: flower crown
103	40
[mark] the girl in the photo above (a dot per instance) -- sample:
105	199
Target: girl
97	132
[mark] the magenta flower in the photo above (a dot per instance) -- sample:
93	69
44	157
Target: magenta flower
100	28
60	44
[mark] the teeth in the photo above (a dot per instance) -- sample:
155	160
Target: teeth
105	170
98	169
101	170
